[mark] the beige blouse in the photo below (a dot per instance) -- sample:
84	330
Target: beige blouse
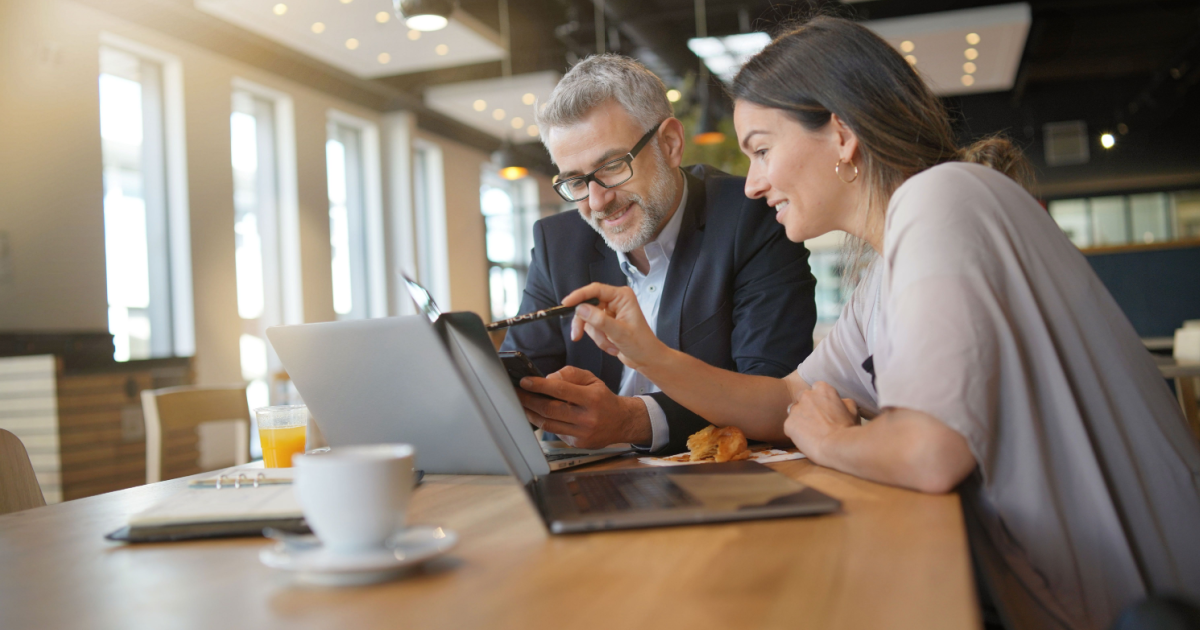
1087	492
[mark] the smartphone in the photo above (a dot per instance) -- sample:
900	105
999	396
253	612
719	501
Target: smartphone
518	366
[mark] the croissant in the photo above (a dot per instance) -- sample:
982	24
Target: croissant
721	444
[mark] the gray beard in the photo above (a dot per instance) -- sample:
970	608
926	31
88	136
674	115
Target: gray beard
655	208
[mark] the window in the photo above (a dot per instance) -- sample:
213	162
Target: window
355	218
1129	219
147	252
429	202
265	231
510	209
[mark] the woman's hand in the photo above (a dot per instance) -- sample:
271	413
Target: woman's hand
814	415
616	324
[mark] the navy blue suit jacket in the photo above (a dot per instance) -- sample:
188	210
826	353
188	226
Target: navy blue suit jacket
738	294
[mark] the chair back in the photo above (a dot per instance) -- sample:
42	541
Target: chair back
173	415
19	489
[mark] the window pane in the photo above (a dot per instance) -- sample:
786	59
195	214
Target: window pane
1187	213
1151	217
248	252
339	228
1071	215
1108	221
125	239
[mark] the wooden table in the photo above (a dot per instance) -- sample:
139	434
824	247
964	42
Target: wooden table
891	558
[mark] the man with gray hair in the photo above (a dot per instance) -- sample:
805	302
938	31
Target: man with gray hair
712	271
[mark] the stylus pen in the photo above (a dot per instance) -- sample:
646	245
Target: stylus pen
554	311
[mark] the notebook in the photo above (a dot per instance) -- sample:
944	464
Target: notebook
231	503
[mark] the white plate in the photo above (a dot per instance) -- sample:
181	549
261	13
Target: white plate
318	565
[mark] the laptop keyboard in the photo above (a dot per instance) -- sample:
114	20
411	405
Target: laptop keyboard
621	493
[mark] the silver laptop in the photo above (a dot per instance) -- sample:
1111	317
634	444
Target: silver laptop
558	456
577	501
393	380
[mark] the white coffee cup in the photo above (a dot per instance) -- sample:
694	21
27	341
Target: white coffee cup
355	497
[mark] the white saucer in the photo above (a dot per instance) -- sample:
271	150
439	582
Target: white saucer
318	565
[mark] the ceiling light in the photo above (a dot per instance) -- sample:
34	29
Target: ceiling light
518	122
532	130
510	166
352	43
972	38
969	68
384	58
424	15
414	35
382	17
347	1
911	59
480	105
971	54
907	46
529	98
724	56
318	28
279	9
1107	140
674	95
498	114
442	49
968	80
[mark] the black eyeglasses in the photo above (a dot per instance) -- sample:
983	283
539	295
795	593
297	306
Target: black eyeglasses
612	174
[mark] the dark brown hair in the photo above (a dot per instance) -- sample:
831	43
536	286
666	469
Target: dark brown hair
831	65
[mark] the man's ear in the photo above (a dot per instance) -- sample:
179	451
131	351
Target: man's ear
847	140
670	141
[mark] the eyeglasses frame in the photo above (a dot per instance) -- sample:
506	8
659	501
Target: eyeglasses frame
627	159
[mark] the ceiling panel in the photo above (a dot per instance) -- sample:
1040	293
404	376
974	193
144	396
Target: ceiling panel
962	52
362	37
503	107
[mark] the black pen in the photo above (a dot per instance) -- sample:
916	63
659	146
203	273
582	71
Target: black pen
554	311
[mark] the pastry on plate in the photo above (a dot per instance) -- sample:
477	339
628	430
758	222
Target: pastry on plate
718	444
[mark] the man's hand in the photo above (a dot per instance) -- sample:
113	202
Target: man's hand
587	414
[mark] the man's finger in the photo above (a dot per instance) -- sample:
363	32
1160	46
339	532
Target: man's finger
562	428
575	375
605	293
557	388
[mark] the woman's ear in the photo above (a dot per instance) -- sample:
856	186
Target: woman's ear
671	142
847	141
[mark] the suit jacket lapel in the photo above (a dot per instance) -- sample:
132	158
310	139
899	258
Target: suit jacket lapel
687	250
605	268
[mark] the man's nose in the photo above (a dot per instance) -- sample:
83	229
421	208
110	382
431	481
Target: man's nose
598	194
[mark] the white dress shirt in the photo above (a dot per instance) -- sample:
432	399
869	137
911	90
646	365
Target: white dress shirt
648	288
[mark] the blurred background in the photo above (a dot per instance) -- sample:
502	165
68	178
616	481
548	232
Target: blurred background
178	175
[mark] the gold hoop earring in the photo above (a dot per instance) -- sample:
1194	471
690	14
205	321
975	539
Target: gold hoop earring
838	170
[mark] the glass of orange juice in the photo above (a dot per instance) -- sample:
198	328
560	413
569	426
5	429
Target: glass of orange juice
281	431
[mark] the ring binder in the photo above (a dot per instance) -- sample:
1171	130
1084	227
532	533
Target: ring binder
226	481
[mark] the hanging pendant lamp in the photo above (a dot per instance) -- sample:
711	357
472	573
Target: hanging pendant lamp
706	132
508	163
424	15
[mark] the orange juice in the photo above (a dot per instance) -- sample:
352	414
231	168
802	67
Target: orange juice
278	445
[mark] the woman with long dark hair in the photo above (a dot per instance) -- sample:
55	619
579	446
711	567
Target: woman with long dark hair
990	357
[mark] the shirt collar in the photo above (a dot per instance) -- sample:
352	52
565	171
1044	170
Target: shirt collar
665	243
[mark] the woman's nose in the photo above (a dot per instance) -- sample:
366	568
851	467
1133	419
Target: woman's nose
756	184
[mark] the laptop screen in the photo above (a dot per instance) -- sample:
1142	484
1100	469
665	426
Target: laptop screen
473	353
422	298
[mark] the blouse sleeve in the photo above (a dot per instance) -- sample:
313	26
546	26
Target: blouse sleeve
947	326
838	359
